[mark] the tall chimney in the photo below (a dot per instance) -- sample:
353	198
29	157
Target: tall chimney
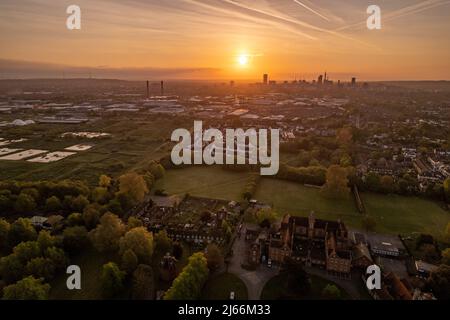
162	88
148	90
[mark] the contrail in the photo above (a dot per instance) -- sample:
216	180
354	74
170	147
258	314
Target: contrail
274	19
292	21
406	11
250	17
311	10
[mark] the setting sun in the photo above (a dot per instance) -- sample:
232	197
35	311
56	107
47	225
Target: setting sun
243	60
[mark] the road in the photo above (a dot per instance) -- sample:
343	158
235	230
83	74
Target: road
254	280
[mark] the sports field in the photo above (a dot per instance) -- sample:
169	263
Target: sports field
209	182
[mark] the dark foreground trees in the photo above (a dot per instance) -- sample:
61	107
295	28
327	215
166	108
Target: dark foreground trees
27	289
189	283
143	283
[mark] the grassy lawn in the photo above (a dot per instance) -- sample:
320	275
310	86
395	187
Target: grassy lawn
296	199
394	214
219	288
211	182
397	214
275	289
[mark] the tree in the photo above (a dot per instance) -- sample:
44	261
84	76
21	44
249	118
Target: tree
345	161
331	292
129	261
104	181
344	136
75	239
6	202
439	282
163	244
336	186
266	215
134	222
447	189
57	256
298	281
424	238
115	206
41	268
32	192
100	195
190	282
21	230
134	185
157	170
140	241
53	204
45	240
105	237
387	184
429	252
177	250
112	280
24	204
27	289
75	219
447	233
25	251
79	203
214	257
372	181
125	201
368	223
143	283
91	216
4	231
11	268
149	180
446	256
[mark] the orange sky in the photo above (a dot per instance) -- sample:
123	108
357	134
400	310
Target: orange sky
285	38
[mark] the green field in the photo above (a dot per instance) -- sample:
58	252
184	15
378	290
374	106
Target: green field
220	287
296	199
397	214
394	214
210	182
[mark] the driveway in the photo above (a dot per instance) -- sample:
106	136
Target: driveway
254	280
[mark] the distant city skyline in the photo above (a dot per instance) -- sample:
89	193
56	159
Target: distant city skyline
226	39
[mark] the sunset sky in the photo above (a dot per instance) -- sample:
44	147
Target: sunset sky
226	39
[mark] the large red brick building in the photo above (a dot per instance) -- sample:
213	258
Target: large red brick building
314	242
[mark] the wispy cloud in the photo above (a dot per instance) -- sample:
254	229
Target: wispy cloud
282	19
405	11
311	10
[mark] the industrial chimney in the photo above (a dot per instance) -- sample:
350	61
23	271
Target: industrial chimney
148	90
162	88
